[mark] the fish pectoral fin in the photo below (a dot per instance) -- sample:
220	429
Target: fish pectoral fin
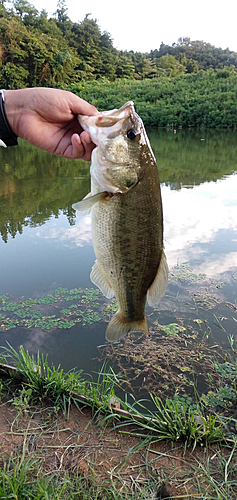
84	206
98	278
120	326
158	287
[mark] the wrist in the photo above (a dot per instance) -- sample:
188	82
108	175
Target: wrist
12	106
7	133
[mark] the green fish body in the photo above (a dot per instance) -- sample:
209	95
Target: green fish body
127	218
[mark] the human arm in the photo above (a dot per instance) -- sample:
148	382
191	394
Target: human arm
47	118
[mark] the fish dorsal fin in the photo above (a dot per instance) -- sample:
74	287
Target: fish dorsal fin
99	280
84	206
158	287
120	326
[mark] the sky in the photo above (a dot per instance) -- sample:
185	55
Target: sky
142	26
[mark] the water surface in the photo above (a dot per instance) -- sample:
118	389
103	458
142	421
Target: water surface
44	247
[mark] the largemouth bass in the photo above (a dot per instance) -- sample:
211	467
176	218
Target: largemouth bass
127	218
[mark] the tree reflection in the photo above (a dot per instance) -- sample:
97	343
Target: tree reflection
34	185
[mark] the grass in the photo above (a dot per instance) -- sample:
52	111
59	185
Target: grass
176	421
221	484
48	383
19	479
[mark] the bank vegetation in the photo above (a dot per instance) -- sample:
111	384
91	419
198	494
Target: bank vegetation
187	84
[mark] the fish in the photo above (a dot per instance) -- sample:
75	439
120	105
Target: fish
127	218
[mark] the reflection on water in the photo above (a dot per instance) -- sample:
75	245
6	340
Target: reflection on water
201	225
44	247
35	186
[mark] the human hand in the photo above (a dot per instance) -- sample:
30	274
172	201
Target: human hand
47	118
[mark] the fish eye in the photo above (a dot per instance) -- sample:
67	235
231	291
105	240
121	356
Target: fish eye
131	134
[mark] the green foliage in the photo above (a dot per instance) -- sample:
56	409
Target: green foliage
169	66
16	479
202	100
21	400
178	420
185	272
175	419
172	329
188	84
14	76
224	396
23	477
57	50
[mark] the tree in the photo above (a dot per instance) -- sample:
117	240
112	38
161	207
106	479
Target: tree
61	11
13	77
169	66
25	9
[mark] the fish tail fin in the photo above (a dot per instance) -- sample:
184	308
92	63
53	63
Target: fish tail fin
120	326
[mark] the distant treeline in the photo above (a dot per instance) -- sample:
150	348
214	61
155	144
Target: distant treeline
191	83
37	50
204	100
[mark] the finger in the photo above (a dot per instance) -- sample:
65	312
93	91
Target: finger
88	145
76	148
80	147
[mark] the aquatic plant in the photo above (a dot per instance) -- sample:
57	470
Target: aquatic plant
185	272
51	311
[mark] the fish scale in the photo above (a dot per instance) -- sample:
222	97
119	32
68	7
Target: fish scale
127	218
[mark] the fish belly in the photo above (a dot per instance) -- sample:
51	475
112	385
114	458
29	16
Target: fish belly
127	231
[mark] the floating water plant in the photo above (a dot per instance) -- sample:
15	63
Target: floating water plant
52	311
185	272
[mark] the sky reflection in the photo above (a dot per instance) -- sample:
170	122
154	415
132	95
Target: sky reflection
200	226
78	235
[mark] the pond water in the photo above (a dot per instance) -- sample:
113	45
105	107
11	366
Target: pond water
46	255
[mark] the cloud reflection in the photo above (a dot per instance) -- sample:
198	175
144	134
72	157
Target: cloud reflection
77	235
80	234
200	226
196	220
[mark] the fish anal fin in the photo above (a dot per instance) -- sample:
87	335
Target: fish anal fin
97	277
84	206
158	287
120	326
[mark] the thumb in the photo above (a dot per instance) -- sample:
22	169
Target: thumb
81	107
